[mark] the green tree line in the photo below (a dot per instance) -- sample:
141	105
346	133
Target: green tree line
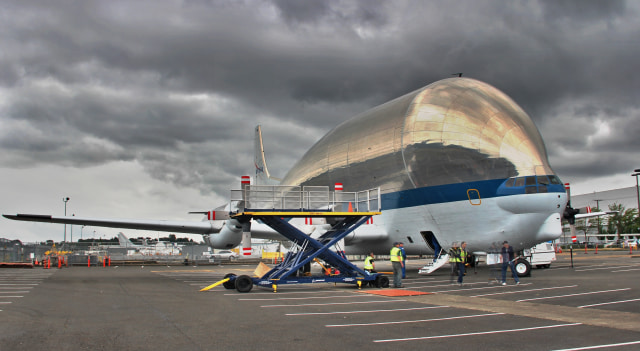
625	221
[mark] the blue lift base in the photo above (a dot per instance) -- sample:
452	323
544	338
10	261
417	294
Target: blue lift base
310	249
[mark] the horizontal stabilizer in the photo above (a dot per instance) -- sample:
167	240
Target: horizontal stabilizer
595	214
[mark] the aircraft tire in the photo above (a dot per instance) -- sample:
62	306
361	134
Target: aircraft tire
244	283
231	284
382	281
523	267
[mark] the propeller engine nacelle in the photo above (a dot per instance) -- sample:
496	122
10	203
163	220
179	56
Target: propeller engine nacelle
231	232
228	237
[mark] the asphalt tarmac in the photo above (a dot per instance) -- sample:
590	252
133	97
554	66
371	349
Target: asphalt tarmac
593	305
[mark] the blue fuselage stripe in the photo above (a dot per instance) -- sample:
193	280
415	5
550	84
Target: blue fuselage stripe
452	193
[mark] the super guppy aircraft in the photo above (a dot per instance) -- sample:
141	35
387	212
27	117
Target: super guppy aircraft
457	160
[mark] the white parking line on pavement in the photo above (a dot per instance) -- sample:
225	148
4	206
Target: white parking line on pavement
602	268
569	295
364	311
608	303
479	333
283	293
336	303
601	346
413	321
626	270
306	298
521	291
481	288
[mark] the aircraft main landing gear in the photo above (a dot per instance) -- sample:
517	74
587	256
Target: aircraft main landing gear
523	267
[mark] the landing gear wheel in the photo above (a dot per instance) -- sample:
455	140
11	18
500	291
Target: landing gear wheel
231	284
244	283
382	281
523	267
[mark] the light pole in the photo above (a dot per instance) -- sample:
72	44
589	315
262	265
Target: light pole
598	207
65	200
636	174
71	227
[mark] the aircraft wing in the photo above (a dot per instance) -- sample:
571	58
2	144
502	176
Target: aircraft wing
594	214
189	227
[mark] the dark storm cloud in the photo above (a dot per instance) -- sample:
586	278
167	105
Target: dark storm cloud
345	13
580	11
179	86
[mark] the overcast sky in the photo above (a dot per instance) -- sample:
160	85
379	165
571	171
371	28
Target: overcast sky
146	109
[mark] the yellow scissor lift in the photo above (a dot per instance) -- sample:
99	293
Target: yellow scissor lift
313	202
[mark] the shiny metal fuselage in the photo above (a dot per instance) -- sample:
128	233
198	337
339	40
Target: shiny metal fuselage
441	156
457	160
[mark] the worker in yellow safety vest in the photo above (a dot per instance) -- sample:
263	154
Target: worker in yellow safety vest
461	261
397	263
369	263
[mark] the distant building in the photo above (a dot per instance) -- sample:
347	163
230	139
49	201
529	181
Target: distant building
628	197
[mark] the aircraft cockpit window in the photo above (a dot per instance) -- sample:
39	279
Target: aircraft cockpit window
531	181
532	185
543	180
555	180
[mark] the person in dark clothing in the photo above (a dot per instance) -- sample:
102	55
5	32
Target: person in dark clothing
404	261
508	259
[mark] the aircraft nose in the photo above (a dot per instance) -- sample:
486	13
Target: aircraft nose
551	228
533	203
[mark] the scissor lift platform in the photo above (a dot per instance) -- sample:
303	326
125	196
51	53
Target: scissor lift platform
308	248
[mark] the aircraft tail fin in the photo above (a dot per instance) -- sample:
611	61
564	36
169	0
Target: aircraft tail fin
123	240
263	177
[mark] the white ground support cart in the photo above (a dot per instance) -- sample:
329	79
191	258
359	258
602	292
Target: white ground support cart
541	255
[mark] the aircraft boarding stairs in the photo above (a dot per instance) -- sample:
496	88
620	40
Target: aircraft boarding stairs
443	258
275	206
